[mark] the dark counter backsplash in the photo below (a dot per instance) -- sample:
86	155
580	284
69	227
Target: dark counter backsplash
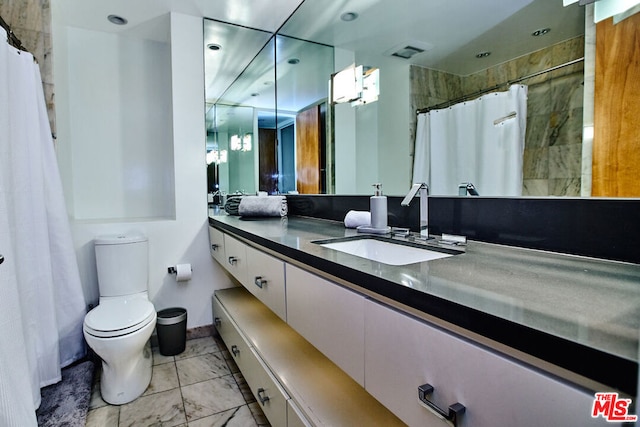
601	228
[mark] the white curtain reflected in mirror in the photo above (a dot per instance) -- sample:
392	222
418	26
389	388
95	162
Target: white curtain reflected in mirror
479	142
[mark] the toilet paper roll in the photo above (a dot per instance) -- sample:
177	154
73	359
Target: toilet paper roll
183	272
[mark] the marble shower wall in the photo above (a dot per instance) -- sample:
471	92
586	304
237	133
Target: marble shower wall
30	20
553	144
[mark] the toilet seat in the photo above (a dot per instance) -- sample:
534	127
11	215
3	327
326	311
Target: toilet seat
117	317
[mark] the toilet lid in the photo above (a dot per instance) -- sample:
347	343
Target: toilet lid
119	316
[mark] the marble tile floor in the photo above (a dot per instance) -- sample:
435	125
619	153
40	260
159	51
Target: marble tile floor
200	387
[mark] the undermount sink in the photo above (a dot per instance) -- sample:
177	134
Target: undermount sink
384	251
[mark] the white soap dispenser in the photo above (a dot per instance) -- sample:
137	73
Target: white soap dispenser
378	208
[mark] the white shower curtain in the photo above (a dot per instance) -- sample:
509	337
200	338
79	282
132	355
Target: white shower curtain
480	141
41	298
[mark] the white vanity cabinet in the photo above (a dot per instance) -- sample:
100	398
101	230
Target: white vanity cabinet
403	353
235	258
295	384
330	317
265	280
216	245
330	355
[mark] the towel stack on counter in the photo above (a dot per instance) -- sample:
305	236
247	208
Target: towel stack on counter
257	206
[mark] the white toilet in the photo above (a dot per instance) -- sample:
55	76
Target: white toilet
120	326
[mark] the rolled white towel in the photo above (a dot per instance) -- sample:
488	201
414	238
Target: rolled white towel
255	206
354	219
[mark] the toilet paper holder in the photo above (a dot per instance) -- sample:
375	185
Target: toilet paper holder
174	270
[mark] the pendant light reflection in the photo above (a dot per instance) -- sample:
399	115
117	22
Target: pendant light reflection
240	143
217	156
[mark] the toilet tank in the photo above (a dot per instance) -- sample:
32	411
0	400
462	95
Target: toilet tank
122	261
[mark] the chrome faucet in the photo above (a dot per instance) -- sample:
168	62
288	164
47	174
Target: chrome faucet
424	206
467	187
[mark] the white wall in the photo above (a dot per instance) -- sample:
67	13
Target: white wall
345	135
179	239
372	141
393	121
120	107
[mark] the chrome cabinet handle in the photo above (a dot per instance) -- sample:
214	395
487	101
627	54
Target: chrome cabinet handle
259	281
233	260
451	415
235	350
215	247
217	321
262	397
1	258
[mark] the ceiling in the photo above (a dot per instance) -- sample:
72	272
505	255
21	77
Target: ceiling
450	32
92	14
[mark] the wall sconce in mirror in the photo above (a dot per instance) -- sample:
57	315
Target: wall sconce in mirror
240	143
217	156
355	84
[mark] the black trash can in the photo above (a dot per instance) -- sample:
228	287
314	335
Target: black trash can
171	326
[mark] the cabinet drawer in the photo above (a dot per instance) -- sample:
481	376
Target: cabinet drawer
403	353
235	342
267	391
235	258
216	245
328	316
270	395
265	280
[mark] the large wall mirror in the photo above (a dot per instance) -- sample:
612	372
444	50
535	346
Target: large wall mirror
267	122
427	55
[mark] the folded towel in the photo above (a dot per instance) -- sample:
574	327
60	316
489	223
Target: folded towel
263	206
354	219
232	204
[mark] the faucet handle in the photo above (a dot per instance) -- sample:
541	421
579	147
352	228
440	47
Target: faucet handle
412	193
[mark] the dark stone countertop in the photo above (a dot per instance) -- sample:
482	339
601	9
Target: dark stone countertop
582	314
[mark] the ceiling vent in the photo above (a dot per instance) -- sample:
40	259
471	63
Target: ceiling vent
408	49
407	52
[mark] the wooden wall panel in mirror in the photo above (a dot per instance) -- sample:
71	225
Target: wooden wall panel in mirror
309	151
616	143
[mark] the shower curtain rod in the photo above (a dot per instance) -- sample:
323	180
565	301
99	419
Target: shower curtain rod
496	87
12	39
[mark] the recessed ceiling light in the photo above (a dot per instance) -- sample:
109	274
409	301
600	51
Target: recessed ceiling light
349	16
293	61
482	54
541	32
255	94
118	20
214	47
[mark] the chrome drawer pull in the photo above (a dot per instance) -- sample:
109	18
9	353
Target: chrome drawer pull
235	350
217	322
259	281
215	247
452	415
233	260
262	397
